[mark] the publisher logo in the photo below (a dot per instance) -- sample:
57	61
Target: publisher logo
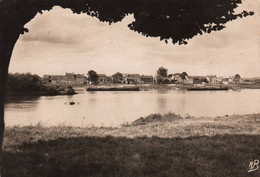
253	165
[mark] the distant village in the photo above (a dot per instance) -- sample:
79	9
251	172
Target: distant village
159	78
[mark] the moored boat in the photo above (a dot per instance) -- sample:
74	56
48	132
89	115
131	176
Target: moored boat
207	88
113	89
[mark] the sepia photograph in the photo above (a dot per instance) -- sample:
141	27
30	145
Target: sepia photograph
129	88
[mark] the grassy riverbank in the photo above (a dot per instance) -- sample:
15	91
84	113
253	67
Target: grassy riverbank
157	145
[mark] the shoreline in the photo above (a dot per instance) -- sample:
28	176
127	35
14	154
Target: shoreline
138	87
146	87
157	145
145	126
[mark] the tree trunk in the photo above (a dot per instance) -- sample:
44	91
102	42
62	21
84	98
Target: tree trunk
7	43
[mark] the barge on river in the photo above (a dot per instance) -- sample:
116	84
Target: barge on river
207	88
113	89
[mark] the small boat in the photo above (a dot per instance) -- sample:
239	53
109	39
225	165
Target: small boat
71	102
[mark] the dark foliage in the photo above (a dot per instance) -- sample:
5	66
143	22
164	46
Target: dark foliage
217	156
24	83
93	76
178	20
31	84
162	71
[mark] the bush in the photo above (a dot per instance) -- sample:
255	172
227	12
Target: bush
31	84
24	83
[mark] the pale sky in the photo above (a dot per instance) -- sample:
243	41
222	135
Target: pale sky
60	41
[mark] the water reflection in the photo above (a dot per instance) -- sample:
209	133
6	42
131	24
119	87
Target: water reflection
162	102
18	98
18	103
114	108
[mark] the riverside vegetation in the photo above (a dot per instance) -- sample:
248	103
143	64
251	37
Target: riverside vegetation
31	84
156	145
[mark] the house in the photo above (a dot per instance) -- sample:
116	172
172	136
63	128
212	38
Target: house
131	78
256	80
162	80
171	78
189	80
108	80
146	79
80	79
175	78
72	78
237	78
68	78
101	78
212	79
219	80
225	80
135	78
248	81
126	78
54	79
178	78
118	78
199	80
46	78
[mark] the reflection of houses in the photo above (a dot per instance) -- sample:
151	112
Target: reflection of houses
68	78
146	79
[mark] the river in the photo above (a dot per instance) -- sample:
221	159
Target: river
115	108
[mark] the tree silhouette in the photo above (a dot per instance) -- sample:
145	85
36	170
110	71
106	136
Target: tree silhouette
162	71
93	76
171	20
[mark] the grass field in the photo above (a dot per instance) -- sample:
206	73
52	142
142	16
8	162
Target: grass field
157	145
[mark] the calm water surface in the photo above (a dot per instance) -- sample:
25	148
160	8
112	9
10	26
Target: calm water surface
115	108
